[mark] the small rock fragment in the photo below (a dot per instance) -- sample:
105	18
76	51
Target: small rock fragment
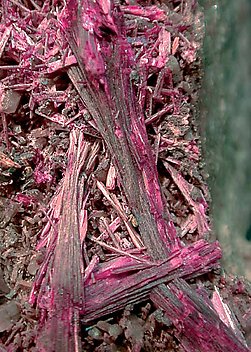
95	333
35	263
9	101
9	315
115	331
3	286
160	317
103	325
174	66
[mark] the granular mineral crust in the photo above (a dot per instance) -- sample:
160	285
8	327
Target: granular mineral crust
105	228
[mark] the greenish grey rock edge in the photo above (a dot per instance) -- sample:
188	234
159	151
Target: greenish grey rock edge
225	107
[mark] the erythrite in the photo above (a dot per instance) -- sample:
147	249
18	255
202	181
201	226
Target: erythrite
128	221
